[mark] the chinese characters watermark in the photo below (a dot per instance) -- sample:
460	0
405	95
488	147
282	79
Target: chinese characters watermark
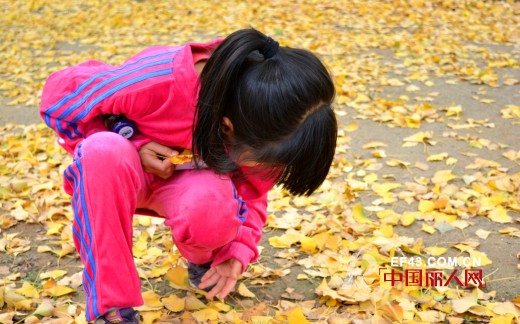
424	277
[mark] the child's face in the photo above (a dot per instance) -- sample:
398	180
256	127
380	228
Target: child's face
243	156
246	158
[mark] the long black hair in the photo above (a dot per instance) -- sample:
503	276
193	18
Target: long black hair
279	105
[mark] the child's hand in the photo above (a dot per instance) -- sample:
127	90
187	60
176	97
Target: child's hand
224	276
150	154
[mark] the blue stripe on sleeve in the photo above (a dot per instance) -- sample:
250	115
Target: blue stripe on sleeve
103	83
88	82
120	86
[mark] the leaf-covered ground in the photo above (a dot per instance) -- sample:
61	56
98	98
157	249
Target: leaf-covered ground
427	164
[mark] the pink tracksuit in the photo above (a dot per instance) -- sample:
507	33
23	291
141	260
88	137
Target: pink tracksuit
213	217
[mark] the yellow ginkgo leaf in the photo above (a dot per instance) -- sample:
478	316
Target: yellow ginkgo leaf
55	274
435	250
359	215
58	291
382	189
150	316
454	111
420	137
487	101
44	309
205	315
261	319
296	316
324	290
407	219
181	159
178	276
426	206
374	144
506	308
437	157
483	234
10	297
387	230
173	303
512	155
351	127
451	161
308	244
54	228
286	240
28	290
443	176
393	311
499	215
192	303
479	258
362	98
415	249
398	163
152	299
428	229
244	291
220	306
461	305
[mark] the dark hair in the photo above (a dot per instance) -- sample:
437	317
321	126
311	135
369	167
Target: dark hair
280	107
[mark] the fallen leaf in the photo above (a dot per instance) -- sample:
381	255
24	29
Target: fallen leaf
152	299
45	309
461	305
205	315
244	291
407	219
359	215
499	215
54	274
178	276
173	303
150	317
483	234
435	250
28	290
443	176
191	303
296	316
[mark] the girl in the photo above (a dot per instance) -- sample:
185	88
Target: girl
255	113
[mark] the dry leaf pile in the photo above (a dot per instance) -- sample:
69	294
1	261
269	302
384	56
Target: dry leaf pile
392	62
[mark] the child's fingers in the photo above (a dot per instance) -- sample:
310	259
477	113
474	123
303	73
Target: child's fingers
151	163
151	154
167	167
161	149
209	282
226	289
218	287
160	168
209	274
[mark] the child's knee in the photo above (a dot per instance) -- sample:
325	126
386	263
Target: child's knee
106	146
207	215
210	234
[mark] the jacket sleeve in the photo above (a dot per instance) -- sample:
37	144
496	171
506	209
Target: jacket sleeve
66	106
252	192
75	99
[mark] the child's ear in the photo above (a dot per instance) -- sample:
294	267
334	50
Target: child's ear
226	127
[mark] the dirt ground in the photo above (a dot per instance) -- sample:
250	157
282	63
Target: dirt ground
504	276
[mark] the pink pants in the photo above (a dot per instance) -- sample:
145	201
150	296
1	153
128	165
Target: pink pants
107	184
